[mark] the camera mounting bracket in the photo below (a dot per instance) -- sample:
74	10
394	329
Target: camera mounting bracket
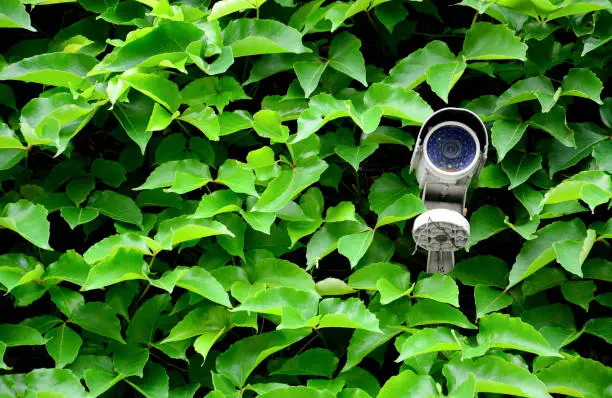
443	229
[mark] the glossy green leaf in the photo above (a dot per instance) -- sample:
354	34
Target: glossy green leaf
262	36
487	41
63	345
426	341
519	167
576	377
582	83
14	15
484	223
439	288
429	312
99	318
488	299
408	384
28	220
349	313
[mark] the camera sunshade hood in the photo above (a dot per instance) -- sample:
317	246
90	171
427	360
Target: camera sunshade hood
463	116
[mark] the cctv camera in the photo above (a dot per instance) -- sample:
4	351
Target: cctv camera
450	151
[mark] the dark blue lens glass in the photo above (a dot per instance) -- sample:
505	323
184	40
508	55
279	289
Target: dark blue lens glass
451	148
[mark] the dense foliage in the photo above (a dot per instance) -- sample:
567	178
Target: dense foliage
213	199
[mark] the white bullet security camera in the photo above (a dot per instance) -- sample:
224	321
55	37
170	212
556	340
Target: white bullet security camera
450	150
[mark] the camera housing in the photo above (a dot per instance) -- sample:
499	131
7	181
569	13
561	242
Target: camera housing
450	151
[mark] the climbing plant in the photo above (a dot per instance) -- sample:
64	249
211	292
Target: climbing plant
213	199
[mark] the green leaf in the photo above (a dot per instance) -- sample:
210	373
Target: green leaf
333	287
226	7
494	375
294	306
29	220
309	74
397	102
582	83
18	269
443	77
291	182
350	313
213	91
154	383
354	246
488	300
579	292
404	208
601	153
134	118
484	223
181	229
143	50
66	300
205	119
409	384
159	89
438	287
242	357
520	166
205	318
63	344
98	318
593	187
124	265
199	281
314	362
536	253
20	335
110	246
179	176
13	15
267	124
238	177
130	359
363	342
505	134
345	57
387	189
275	272
297	392
599	327
427	340
537	87
503	331
79	189
146	318
388	135
221	201
262	36
354	155
572	253
52	69
76	216
554	123
116	206
53	383
487	41
576	377
429	312
412	70
589	139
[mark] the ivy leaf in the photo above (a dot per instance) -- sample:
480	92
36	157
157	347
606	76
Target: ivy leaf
572	253
537	87
520	166
13	15
53	69
154	383
576	377
237	176
309	74
503	331
345	57
262	36
398	102
484	223
409	384
589	139
350	313
314	362
226	7
425	341
554	123
146	318
130	359
285	302
124	265
536	253
133	117
20	335
205	119
98	318
54	382
505	134
354	155
488	300
412	70
430	312
242	357
402	209
267	124
290	182
63	344
354	246
494	375
486	41
579	292
29	220
213	91
179	176
581	82
275	272
443	77
76	216
438	287
116	206
387	189
205	318
145	50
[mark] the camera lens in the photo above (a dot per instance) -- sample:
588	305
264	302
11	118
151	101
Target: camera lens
451	148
